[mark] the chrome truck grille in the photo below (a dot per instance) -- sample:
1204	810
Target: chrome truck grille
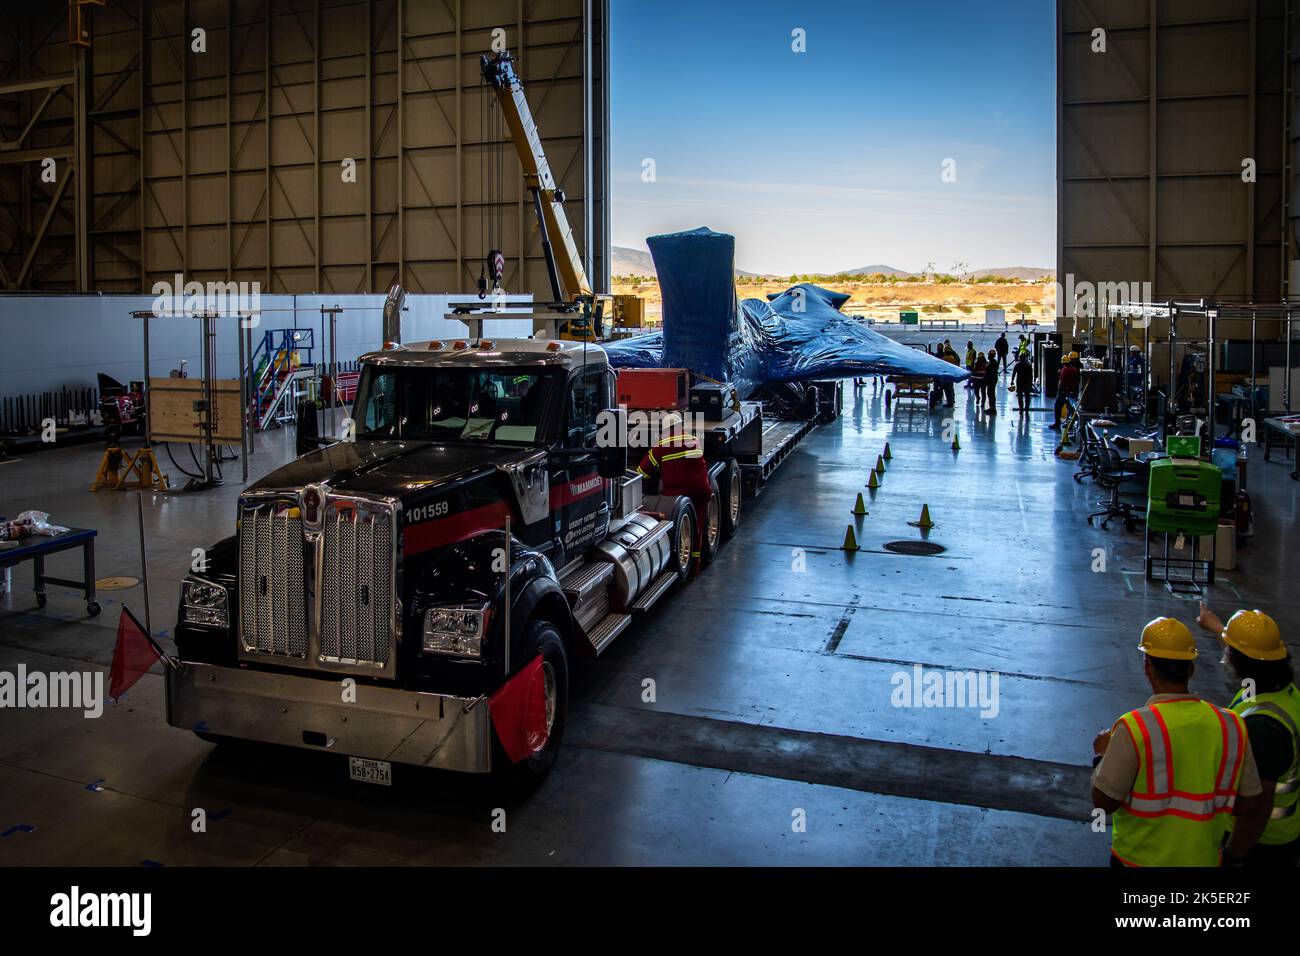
321	592
272	582
356	587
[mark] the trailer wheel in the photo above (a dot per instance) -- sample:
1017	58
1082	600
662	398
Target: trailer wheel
731	484
543	638
684	520
711	539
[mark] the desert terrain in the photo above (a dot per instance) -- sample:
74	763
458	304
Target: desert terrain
881	298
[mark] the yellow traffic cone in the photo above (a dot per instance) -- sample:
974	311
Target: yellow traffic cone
888	454
860	507
925	521
880	464
873	482
850	540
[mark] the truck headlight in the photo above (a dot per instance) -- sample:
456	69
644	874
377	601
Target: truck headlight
205	603
456	631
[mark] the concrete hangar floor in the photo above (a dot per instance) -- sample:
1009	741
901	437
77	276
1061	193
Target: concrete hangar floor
775	736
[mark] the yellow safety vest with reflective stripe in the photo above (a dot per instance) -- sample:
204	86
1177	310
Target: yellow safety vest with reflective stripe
1284	707
1189	756
682	446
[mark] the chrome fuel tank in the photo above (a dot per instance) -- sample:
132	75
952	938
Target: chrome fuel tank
640	552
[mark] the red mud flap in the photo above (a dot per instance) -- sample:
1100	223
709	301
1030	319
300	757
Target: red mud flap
518	711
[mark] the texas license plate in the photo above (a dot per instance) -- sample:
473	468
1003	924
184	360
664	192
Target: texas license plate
371	771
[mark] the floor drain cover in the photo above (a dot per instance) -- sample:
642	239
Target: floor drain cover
924	548
116	584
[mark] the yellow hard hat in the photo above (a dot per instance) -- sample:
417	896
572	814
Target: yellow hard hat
1256	635
1169	638
1072	356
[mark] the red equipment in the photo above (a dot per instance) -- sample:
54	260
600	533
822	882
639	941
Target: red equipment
647	388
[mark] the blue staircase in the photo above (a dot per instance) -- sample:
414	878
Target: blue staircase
279	374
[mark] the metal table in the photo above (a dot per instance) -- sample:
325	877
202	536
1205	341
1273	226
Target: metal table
39	547
1288	440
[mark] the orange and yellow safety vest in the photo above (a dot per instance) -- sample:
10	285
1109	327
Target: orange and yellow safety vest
1190	755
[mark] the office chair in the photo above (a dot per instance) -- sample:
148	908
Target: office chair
1114	472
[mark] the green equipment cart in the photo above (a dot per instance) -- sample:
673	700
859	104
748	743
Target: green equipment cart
1183	499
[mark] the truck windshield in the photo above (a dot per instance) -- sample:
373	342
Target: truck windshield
474	404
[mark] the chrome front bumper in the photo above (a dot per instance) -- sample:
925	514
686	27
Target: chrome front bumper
401	726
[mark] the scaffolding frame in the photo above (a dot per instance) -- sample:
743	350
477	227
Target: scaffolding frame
247	320
1211	310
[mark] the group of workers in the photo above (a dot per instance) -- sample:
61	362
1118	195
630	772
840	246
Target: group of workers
1190	783
985	369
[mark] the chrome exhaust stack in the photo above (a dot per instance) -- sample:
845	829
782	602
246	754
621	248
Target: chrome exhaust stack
394	303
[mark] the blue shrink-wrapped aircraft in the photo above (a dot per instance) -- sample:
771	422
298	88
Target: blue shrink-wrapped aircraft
800	335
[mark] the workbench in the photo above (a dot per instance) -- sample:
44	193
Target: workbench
1288	434
38	547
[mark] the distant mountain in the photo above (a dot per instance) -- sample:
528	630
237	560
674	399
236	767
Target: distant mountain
879	270
1016	272
637	262
630	262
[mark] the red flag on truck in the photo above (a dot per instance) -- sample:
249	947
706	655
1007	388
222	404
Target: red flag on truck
518	711
134	654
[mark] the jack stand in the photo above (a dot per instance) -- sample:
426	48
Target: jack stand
109	466
145	467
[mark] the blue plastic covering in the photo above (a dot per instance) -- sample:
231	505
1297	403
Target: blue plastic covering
800	335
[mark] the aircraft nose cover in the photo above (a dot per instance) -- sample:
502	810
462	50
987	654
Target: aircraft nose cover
801	334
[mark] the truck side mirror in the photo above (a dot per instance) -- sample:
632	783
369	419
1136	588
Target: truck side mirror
611	443
611	461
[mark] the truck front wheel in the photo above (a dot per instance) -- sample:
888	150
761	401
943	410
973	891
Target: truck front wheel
542	638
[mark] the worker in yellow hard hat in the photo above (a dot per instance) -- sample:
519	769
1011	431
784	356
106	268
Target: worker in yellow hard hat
1269	704
1067	388
1174	772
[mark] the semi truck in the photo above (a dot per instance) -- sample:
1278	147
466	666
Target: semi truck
419	593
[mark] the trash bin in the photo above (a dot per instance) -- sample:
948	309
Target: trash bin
1225	546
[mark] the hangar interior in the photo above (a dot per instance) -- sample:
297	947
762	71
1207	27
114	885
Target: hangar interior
877	540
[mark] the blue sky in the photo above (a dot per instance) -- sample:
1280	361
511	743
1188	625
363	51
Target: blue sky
832	158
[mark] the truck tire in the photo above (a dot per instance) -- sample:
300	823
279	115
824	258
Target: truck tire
541	637
683	535
732	486
711	539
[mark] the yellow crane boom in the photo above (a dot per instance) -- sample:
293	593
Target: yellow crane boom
563	262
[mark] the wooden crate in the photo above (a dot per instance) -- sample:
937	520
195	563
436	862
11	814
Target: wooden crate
172	416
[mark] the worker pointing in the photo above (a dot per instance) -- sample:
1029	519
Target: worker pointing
1269	704
1173	772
